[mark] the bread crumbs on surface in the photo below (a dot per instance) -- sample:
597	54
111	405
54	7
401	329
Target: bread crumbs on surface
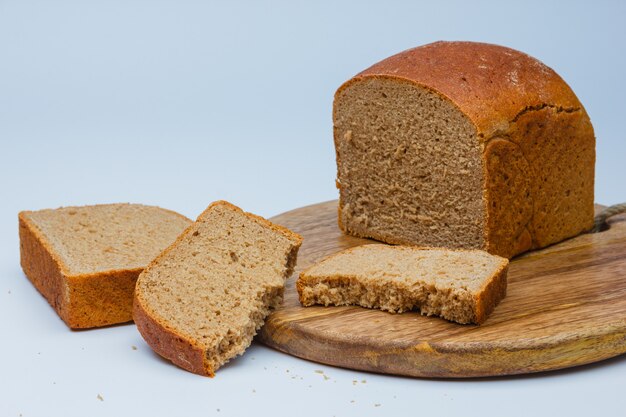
354	382
319	371
133	347
363	381
100	397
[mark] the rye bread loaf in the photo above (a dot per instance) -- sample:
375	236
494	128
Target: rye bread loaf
201	301
459	285
463	145
86	260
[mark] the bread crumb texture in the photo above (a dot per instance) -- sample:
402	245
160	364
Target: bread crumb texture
86	260
459	285
200	303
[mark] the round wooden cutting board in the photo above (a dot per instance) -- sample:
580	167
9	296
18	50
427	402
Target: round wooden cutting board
565	306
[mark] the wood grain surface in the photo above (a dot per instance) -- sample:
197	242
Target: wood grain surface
565	306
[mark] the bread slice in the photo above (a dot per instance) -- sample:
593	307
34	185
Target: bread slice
463	145
86	260
462	286
200	302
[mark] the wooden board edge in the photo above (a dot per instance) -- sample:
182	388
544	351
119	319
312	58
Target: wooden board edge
446	361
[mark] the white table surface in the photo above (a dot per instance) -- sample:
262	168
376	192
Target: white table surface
179	103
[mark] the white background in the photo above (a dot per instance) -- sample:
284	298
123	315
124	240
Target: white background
179	103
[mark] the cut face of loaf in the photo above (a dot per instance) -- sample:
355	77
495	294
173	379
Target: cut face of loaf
461	286
86	260
463	145
203	299
410	166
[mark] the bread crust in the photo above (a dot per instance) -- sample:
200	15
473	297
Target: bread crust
178	348
499	89
181	349
492	94
81	300
491	294
43	268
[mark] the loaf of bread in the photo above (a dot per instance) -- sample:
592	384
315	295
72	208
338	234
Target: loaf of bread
463	145
203	299
459	285
86	260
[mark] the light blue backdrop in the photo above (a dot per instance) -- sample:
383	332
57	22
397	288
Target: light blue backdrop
178	103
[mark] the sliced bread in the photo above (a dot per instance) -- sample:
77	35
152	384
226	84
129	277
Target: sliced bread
462	286
201	301
86	260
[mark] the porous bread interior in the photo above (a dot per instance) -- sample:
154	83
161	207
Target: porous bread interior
409	166
107	237
438	282
217	285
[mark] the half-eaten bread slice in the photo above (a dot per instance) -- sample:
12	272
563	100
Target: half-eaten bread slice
200	302
459	285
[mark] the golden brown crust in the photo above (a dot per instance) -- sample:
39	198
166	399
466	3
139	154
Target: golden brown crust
81	300
540	181
538	142
177	348
563	171
42	267
492	293
510	209
101	299
491	84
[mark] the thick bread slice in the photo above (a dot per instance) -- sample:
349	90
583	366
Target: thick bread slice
462	285
200	302
86	260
